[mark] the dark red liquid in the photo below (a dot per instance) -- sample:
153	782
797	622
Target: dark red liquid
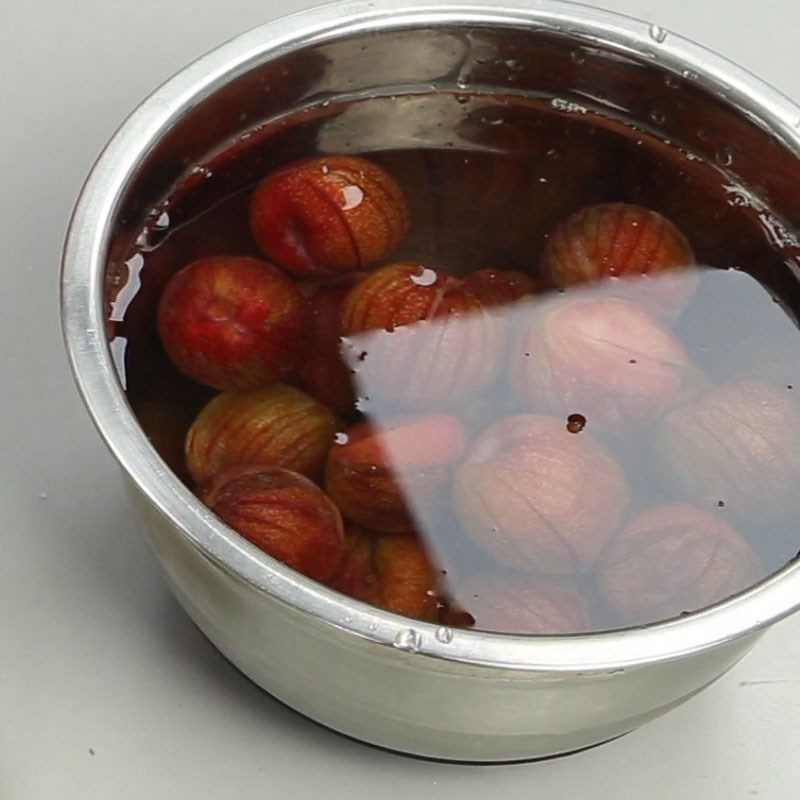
487	182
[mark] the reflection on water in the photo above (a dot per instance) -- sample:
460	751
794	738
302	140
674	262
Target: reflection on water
522	439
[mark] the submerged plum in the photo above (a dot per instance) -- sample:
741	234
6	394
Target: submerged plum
389	571
534	605
232	323
382	475
328	216
282	513
737	444
642	252
279	427
671	560
539	498
602	358
420	338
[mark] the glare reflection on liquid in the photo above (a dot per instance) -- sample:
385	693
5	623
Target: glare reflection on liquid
550	494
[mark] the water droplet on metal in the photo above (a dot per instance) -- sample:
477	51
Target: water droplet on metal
658	34
690	75
578	56
408	640
163	221
724	156
671	82
514	64
658	116
444	635
373	626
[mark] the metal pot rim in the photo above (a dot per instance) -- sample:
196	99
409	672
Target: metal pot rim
84	330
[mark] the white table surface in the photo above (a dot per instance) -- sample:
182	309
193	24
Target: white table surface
107	690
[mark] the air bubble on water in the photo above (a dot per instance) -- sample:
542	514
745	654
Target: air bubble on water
658	116
341	438
204	171
462	99
567	106
427	277
495	121
408	640
542	180
325	169
702	135
326	103
739	197
670	81
690	74
444	635
724	156
552	153
657	33
352	196
778	234
578	56
163	221
514	64
462	82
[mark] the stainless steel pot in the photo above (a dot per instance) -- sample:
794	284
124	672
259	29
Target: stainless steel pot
413	687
